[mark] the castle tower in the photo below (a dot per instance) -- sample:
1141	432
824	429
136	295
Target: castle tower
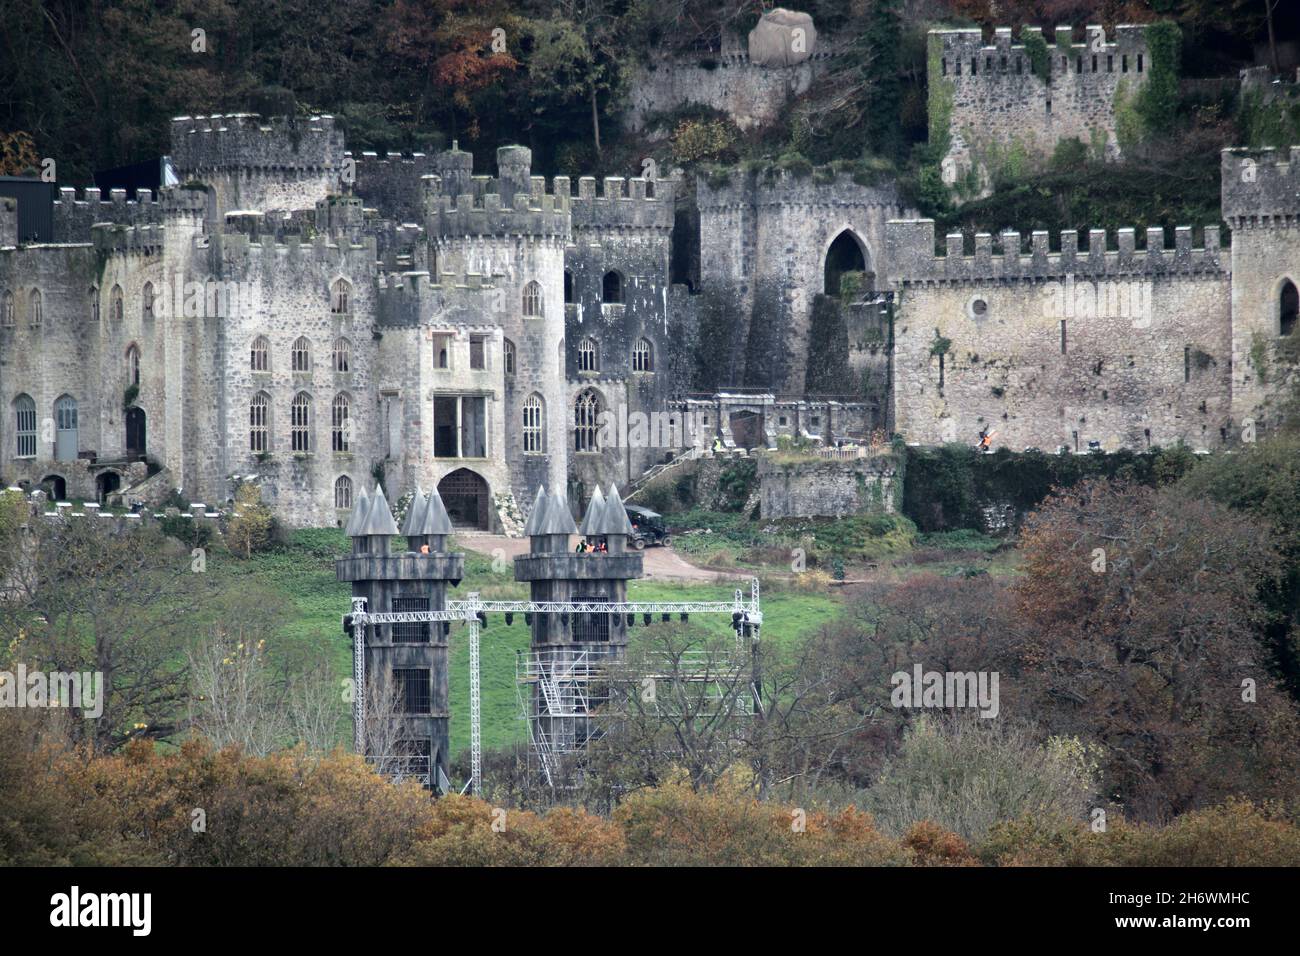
253	163
569	649
626	330
509	234
987	100
406	704
1261	205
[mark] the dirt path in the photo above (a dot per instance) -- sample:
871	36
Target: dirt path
661	564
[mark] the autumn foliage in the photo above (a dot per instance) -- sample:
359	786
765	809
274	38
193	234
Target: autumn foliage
203	807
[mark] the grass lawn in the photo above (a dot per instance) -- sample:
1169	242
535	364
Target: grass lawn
299	580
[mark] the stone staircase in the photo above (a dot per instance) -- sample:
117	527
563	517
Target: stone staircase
655	471
153	491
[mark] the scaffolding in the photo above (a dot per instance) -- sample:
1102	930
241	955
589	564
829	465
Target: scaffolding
576	682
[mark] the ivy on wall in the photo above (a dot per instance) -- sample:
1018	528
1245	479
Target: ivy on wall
1040	61
1158	102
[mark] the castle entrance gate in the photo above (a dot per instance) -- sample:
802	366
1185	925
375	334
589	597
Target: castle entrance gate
465	495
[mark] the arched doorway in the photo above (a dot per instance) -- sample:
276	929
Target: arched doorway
845	254
747	429
135	432
107	482
1288	305
55	487
465	495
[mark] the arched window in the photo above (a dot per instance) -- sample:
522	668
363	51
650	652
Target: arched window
36	310
611	288
568	287
1288	304
133	365
533	300
643	356
342	355
259	411
343	492
260	358
534	431
116	306
65	428
93	295
588	357
301	355
340	427
508	350
300	423
147	298
25	426
7	310
586	413
341	297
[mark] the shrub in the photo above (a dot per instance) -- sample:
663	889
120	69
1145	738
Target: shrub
250	528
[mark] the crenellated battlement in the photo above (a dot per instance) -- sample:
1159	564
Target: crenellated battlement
965	57
246	141
635	203
910	245
241	245
115	239
1260	187
526	213
72	218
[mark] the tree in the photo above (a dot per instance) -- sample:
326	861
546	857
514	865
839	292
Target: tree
966	774
238	699
121	604
1140	629
249	529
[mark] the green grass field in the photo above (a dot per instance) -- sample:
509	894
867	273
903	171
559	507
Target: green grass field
299	581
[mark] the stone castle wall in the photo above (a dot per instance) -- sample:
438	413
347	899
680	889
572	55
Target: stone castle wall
827	488
764	236
993	104
1261	204
1109	349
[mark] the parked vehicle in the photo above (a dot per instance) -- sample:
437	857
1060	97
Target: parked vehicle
647	527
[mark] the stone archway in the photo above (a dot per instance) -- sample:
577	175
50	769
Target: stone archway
465	495
57	486
846	253
107	482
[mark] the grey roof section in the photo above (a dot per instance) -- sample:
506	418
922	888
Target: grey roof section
358	514
539	511
613	517
592	518
557	519
379	519
414	513
433	517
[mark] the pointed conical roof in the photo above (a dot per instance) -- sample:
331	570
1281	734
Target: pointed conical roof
414	514
592	518
612	518
433	517
358	515
558	519
379	519
535	516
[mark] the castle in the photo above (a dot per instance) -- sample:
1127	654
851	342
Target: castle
311	320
